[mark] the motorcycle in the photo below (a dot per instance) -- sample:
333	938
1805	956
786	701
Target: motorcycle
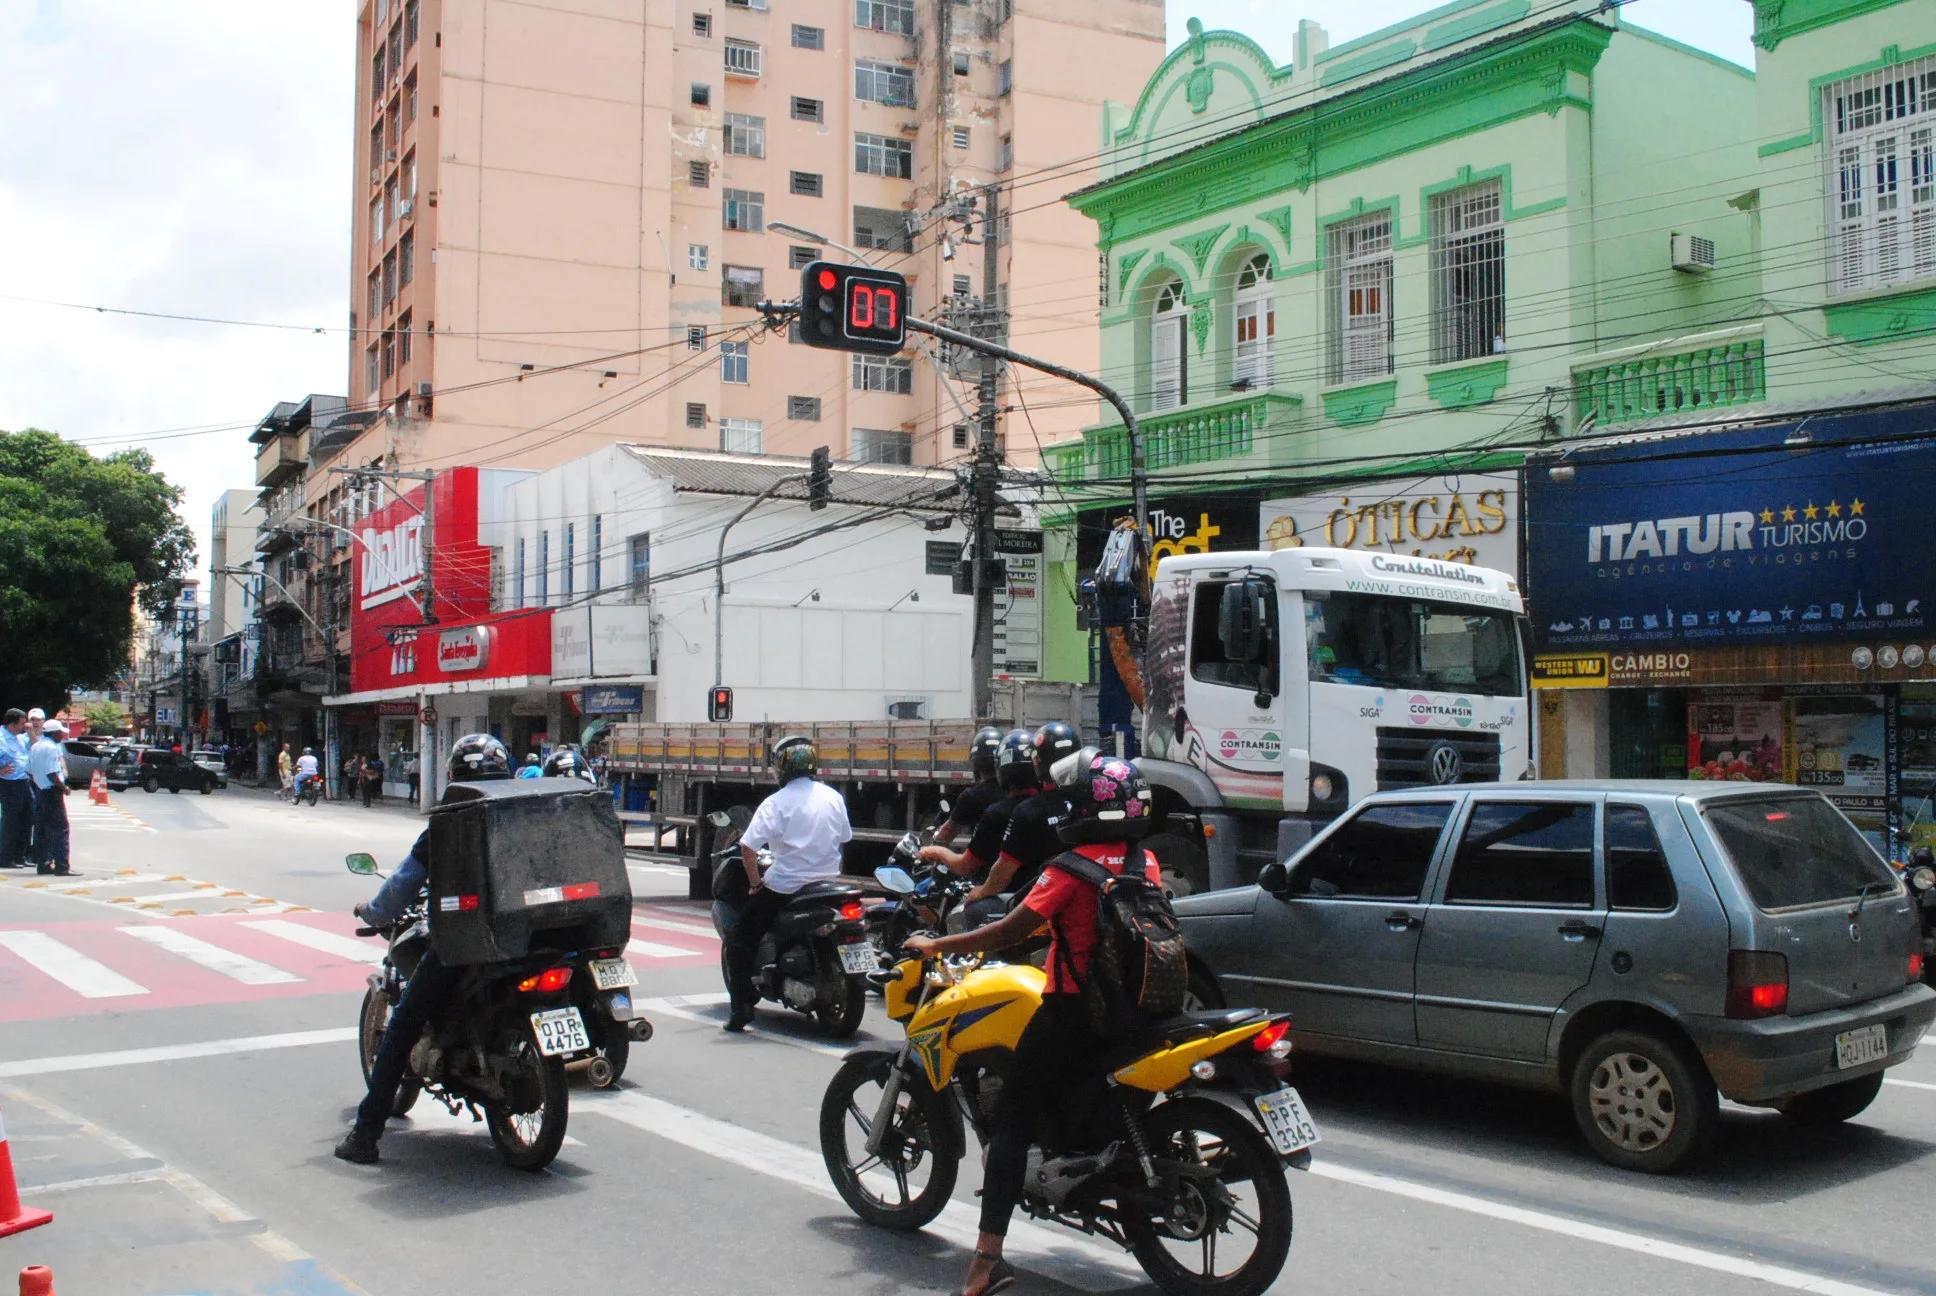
1919	875
309	789
498	1048
816	957
1177	1157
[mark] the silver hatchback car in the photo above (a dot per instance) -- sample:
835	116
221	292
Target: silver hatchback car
1642	947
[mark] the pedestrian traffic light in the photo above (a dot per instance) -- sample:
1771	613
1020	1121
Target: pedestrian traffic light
820	479
853	308
719	703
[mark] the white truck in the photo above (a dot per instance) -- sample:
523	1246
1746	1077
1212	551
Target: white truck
1281	687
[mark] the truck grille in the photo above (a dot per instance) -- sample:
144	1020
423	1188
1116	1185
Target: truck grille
1416	757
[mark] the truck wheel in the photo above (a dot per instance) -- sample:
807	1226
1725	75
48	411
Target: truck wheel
1186	869
1834	1104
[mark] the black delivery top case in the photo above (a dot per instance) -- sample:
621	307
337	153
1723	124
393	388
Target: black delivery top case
523	864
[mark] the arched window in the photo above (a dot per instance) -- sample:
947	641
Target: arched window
1169	359
1255	313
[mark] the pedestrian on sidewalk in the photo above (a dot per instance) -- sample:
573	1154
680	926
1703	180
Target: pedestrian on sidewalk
413	775
352	775
47	768
372	780
16	794
285	770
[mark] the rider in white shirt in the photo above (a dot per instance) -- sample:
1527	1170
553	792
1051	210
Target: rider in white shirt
306	768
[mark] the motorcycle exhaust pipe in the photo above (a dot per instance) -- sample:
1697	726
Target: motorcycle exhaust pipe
639	1029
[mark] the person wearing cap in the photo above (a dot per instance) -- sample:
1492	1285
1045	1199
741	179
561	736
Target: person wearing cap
16	791
36	718
47	769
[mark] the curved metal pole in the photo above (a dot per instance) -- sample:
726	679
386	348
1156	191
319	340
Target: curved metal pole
719	575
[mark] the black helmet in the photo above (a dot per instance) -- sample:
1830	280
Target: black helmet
982	750
566	763
1053	741
477	757
793	756
1107	802
1015	761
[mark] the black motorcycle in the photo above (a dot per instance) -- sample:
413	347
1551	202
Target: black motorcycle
816	957
1919	874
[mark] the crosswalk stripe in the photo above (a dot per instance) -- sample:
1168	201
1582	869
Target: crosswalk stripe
665	924
69	966
648	949
213	957
347	947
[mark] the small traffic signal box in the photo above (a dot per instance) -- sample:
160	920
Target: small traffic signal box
853	308
820	479
719	703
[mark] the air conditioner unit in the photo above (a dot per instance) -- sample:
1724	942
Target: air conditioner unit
407	206
423	390
1691	253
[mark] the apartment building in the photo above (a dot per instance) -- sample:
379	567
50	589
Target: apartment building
561	213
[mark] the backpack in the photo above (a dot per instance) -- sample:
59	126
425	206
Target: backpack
1137	970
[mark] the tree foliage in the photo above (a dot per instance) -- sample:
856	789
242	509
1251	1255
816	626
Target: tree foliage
104	718
83	542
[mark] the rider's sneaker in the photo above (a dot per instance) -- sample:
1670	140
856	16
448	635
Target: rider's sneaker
357	1148
738	1022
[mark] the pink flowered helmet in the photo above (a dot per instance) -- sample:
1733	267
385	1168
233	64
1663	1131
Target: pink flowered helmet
1108	802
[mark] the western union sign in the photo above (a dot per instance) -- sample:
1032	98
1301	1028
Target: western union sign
1577	670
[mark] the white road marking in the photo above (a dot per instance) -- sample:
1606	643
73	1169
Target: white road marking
213	957
649	950
1910	1084
174	1052
666	924
69	966
347	947
1063	1256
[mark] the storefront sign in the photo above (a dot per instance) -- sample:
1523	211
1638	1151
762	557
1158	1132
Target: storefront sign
1018	604
1470	518
392	560
1738	537
610	640
1579	671
396	708
571	643
468	649
1179	524
607	699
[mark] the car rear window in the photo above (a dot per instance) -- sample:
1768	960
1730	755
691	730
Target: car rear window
1795	851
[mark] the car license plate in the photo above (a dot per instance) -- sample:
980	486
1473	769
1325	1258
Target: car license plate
613	974
1290	1127
561	1030
1864	1045
858	958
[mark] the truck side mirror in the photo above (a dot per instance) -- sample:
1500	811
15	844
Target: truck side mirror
1240	620
1275	878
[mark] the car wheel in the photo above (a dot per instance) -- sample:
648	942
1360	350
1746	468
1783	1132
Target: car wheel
1185	867
208	787
174	791
1644	1100
151	784
1835	1104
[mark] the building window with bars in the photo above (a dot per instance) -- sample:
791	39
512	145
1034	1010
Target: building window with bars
895	16
695	337
598	557
403	339
881	156
1169	358
1358	260
877	227
892	374
699	174
735	365
410	24
811	110
389	352
803	409
742	58
799	258
695	414
805	183
1254	315
745	135
702	24
740	435
744	209
406	260
881	446
878	81
811	38
1468	273
961	137
639	552
1879	133
742	286
698	257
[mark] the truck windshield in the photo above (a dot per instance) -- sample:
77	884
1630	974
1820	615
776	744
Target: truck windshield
1381	642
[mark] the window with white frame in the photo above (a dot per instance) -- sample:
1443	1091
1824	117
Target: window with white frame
1879	132
745	135
800	257
882	156
702	24
760	5
735	364
893	374
740	435
1169	359
878	81
697	256
881	445
1468	273
1358	260
895	16
812	38
878	227
744	209
741	286
742	58
1254	310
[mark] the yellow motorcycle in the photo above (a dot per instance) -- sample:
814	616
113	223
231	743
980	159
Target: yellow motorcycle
1176	1153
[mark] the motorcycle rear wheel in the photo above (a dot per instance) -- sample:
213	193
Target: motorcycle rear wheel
374	1016
1247	1195
920	1115
842	1018
530	1137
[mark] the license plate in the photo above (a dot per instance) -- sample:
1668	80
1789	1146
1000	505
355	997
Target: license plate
1859	1047
1290	1127
858	958
613	974
561	1030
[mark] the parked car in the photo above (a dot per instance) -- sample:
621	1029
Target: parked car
160	768
1642	947
209	759
83	758
121	766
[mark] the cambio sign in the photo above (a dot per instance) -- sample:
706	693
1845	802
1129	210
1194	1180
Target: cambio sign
392	561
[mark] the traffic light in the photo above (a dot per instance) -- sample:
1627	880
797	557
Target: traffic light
820	479
719	703
853	308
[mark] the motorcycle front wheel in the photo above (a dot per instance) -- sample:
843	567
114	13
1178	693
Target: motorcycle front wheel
370	1025
530	1128
907	1185
1227	1232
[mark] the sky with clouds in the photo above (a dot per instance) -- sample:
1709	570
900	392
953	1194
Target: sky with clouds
193	157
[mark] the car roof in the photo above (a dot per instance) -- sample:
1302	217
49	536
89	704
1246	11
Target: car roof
1688	789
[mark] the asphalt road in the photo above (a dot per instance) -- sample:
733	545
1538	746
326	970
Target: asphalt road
176	1062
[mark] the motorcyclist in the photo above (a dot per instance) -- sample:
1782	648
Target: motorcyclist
969	807
533	766
306	769
473	758
565	763
805	824
1030	839
1108	807
1015	773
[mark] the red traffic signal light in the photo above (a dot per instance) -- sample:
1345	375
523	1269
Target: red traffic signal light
853	308
719	703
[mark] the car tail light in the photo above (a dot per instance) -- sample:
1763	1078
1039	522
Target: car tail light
556	979
1915	966
1269	1039
1757	984
852	910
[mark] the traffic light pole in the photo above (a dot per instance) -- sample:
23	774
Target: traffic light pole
719	574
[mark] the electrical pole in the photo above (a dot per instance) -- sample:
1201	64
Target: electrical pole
986	469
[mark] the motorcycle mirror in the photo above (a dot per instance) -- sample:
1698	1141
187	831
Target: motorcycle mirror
360	863
720	819
895	880
945	806
909	843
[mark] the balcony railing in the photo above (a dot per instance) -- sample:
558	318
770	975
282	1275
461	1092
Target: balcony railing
1231	429
1688	376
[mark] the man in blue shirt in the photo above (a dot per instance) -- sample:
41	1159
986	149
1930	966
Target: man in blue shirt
47	770
16	798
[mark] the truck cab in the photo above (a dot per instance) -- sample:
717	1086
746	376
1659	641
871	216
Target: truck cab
1281	687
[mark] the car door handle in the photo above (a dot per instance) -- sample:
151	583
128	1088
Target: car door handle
1398	920
1574	929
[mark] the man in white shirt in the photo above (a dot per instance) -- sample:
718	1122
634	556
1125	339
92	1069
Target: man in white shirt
306	769
47	768
805	825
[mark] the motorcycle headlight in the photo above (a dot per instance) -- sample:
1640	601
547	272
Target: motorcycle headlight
1922	878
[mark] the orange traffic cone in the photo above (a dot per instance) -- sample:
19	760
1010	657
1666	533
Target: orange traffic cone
97	789
15	1218
36	1280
